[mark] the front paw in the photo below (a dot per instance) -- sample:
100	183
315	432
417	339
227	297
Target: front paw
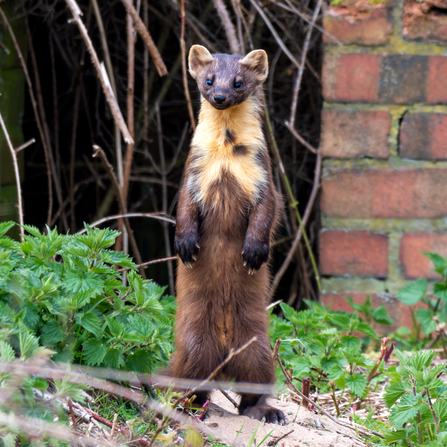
254	254
187	247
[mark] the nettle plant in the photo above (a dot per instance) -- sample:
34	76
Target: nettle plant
64	292
417	399
322	345
434	317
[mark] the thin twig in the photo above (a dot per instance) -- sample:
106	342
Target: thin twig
300	138
297	86
156	261
147	39
122	206
231	354
275	34
25	145
309	399
50	170
164	196
309	207
184	70
100	71
228	26
17	175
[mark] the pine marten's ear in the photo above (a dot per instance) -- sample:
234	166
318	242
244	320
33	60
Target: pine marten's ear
198	57
257	62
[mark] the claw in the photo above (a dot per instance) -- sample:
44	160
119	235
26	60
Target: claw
188	264
195	258
245	263
242	252
251	271
198	246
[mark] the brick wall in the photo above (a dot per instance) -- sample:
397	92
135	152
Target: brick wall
384	141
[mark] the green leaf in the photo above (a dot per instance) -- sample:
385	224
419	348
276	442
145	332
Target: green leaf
440	407
440	290
425	318
289	313
6	351
366	329
90	322
393	393
52	333
9	440
439	263
114	358
93	352
28	342
413	292
193	438
381	316
351	342
76	281
357	383
406	411
139	361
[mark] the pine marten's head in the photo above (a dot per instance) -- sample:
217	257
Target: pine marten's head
225	80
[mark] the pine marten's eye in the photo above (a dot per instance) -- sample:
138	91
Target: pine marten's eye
209	82
237	85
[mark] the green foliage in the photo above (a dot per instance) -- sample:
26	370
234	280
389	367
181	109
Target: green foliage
427	319
64	293
417	399
322	345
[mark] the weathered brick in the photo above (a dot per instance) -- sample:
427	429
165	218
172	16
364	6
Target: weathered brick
353	253
399	312
360	22
414	263
402	79
436	86
348	134
391	79
351	77
425	21
387	193
424	136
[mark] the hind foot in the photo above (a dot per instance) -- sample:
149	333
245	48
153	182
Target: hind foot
270	414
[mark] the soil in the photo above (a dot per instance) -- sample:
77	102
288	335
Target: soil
304	428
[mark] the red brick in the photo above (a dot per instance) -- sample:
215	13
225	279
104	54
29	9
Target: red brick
414	263
384	193
353	253
424	136
351	77
399	312
436	87
359	22
355	134
425	21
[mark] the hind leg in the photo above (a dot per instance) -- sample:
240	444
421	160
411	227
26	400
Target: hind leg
197	356
255	365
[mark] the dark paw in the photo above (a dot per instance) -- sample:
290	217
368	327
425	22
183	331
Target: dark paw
254	254
270	414
187	247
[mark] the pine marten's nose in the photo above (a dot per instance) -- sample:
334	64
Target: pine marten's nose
220	99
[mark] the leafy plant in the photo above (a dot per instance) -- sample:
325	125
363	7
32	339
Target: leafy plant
417	399
322	345
429	318
65	293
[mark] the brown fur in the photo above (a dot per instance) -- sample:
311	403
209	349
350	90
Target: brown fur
228	209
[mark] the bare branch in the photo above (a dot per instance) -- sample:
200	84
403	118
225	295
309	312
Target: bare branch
147	39
228	26
100	71
17	175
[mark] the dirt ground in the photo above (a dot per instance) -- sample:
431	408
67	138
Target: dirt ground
303	429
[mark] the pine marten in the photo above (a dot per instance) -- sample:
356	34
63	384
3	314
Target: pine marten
227	210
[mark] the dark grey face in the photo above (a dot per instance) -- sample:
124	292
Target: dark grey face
224	82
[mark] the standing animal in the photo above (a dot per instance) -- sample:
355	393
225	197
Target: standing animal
227	211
